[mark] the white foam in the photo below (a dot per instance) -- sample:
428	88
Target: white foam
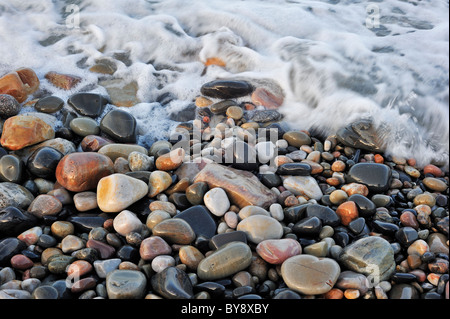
331	65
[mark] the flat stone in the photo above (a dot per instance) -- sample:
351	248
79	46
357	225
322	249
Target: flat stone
303	185
118	191
263	116
200	219
260	227
14	221
21	131
294	169
82	171
226	89
297	138
85	222
104	267
63	81
175	231
172	283
88	104
324	213
220	240
225	261
361	134
310	275
122	93
49	104
276	251
371	256
126	284
266	98
377	177
120	125
105	251
242	188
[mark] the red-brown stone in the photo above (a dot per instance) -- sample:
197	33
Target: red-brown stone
62	81
21	262
79	172
347	211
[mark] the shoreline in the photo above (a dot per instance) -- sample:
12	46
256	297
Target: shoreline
260	208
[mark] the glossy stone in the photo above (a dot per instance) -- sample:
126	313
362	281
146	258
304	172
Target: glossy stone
303	185
220	240
118	191
49	104
216	201
45	205
200	219
296	169
260	227
225	261
153	246
21	131
377	177
31	236
126	284
308	227
361	134
79	172
365	206
170	161
226	89
403	291
43	162
242	188
276	251
324	213
297	138
88	104
310	275
120	125
84	126
406	236
195	193
158	182
105	251
172	283
175	231
126	222
369	256
9	247
92	143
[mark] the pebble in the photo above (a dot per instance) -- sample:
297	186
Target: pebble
8	106
31	236
14	221
79	268
216	200
424	199
87	104
294	169
435	184
21	262
62	228
276	251
45	292
120	125
377	177
242	188
104	267
297	138
371	256
43	162
79	172
226	89
175	231
45	205
190	256
116	192
310	275
200	220
49	104
84	126
303	185
161	262
268	99
352	280
104	250
71	243
225	261
21	131
172	283
140	162
126	284
338	197
126	222
159	181
260	227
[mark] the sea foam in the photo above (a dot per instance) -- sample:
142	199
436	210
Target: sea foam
335	61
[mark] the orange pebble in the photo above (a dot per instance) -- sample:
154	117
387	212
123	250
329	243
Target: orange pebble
334	293
352	293
379	159
411	162
215	61
333	181
347	211
432	169
338	166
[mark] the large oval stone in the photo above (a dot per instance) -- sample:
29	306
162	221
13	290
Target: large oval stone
120	125
377	177
303	185
24	130
371	256
80	172
118	191
225	261
260	227
226	89
126	284
310	275
175	231
276	251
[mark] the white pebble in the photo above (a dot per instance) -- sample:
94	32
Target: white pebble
216	200
276	211
161	262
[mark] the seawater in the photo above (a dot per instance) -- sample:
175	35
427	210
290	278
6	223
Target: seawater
336	61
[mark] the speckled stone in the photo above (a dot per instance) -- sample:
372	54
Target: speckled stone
45	205
310	275
225	261
369	256
435	184
126	284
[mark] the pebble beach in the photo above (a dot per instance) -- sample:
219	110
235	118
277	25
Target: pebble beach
233	200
